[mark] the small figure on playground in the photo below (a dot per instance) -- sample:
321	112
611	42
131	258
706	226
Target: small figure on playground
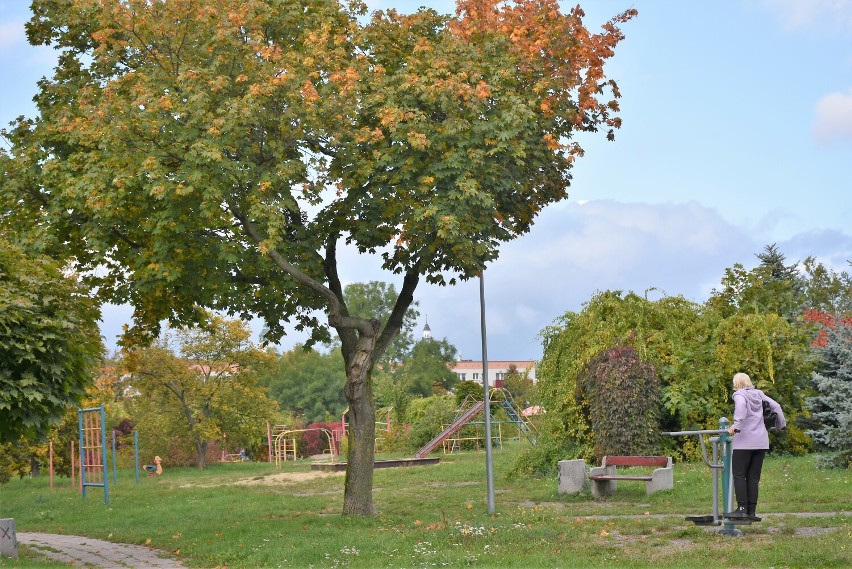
155	469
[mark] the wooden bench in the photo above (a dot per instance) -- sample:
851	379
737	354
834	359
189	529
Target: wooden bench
604	477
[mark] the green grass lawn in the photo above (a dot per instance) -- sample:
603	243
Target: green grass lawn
254	515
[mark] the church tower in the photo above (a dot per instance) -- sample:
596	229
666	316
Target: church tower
427	332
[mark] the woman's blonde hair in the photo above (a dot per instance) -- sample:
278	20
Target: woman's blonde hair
742	380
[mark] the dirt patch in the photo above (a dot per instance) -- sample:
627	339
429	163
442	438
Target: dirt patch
674	547
286	478
280	479
803	531
812	531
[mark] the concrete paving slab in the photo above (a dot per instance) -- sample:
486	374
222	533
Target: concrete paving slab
90	552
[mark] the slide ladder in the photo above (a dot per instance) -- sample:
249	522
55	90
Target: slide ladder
457	424
524	426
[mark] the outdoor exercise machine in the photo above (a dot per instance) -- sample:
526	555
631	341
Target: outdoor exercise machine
720	465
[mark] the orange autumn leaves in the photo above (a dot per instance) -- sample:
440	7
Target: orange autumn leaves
559	57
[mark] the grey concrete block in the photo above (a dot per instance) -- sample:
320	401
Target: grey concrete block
8	538
601	488
572	476
661	479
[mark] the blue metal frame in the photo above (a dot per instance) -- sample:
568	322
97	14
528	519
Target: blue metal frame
114	460
136	452
83	465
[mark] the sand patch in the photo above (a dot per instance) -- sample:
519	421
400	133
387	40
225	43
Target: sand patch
279	479
283	478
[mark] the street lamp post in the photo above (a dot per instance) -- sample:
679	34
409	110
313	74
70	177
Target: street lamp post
489	466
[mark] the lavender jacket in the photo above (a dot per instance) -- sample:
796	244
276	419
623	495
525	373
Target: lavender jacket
748	419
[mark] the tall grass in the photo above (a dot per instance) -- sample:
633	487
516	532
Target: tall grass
254	515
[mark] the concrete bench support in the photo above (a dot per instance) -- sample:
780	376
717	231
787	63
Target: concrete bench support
572	476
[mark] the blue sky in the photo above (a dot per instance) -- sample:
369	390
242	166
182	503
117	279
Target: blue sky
737	134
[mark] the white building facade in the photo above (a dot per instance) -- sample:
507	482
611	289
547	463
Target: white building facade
472	370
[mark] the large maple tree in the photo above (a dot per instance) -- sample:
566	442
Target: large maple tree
215	154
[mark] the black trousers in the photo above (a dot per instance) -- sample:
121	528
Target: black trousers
745	467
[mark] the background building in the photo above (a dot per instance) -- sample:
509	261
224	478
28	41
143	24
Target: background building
470	370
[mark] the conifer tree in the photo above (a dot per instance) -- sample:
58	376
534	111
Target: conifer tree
831	408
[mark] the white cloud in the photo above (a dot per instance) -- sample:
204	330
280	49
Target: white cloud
573	252
833	118
11	34
822	14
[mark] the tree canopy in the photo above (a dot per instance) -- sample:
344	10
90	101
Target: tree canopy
49	342
212	154
210	384
307	384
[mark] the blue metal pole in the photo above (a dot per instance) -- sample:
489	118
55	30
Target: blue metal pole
727	480
136	452
104	451
114	460
82	451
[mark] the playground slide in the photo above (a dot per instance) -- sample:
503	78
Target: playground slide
457	424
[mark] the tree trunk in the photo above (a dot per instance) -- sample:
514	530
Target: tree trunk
201	448
35	467
358	488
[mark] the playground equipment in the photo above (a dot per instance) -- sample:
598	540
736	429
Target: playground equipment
465	417
468	411
507	403
93	449
285	443
722	452
155	469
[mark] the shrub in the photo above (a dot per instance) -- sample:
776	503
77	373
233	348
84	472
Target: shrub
316	442
468	389
427	417
622	397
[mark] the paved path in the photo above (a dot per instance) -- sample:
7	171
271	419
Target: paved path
97	552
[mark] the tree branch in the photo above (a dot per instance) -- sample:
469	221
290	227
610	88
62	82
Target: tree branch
397	315
337	316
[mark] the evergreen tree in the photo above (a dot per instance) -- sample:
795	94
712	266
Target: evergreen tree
773	259
771	287
831	408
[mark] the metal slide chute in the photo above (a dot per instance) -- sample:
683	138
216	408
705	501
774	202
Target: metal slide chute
455	426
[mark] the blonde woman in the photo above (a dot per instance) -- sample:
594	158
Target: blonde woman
751	441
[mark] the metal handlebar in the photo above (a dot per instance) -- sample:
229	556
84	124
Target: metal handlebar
705	432
701	434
